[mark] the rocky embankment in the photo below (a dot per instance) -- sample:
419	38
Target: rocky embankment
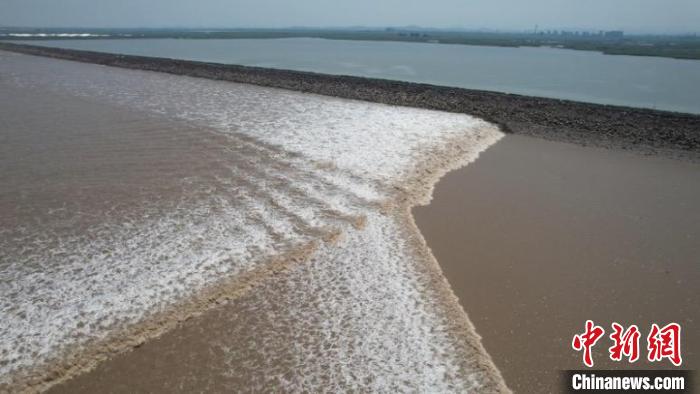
647	131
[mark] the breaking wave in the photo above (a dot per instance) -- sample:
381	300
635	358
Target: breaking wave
130	194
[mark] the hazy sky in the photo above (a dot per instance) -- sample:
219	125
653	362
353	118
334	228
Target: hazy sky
631	15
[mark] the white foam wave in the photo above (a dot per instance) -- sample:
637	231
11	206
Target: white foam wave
304	164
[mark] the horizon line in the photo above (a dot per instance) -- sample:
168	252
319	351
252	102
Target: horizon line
636	31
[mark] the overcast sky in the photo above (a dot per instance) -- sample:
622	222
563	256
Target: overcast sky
630	15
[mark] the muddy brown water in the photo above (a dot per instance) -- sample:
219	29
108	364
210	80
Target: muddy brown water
112	216
536	237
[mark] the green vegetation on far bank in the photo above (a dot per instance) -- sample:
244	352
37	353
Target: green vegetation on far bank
612	43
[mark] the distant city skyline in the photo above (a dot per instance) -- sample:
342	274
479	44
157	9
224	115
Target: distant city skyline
634	16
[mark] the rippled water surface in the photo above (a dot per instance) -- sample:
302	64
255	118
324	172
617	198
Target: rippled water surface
126	192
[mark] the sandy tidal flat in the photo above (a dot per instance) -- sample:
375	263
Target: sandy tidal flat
135	200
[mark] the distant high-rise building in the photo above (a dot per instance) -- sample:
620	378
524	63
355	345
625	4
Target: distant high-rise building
614	34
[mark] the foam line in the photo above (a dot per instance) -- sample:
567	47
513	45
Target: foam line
267	172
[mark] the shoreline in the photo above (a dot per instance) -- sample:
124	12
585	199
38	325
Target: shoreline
647	131
436	332
512	42
417	189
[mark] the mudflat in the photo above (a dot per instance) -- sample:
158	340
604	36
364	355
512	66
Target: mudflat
536	237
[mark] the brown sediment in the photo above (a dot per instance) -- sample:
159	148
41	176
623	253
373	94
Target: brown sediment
643	130
152	157
647	131
536	237
159	174
453	154
256	354
69	365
